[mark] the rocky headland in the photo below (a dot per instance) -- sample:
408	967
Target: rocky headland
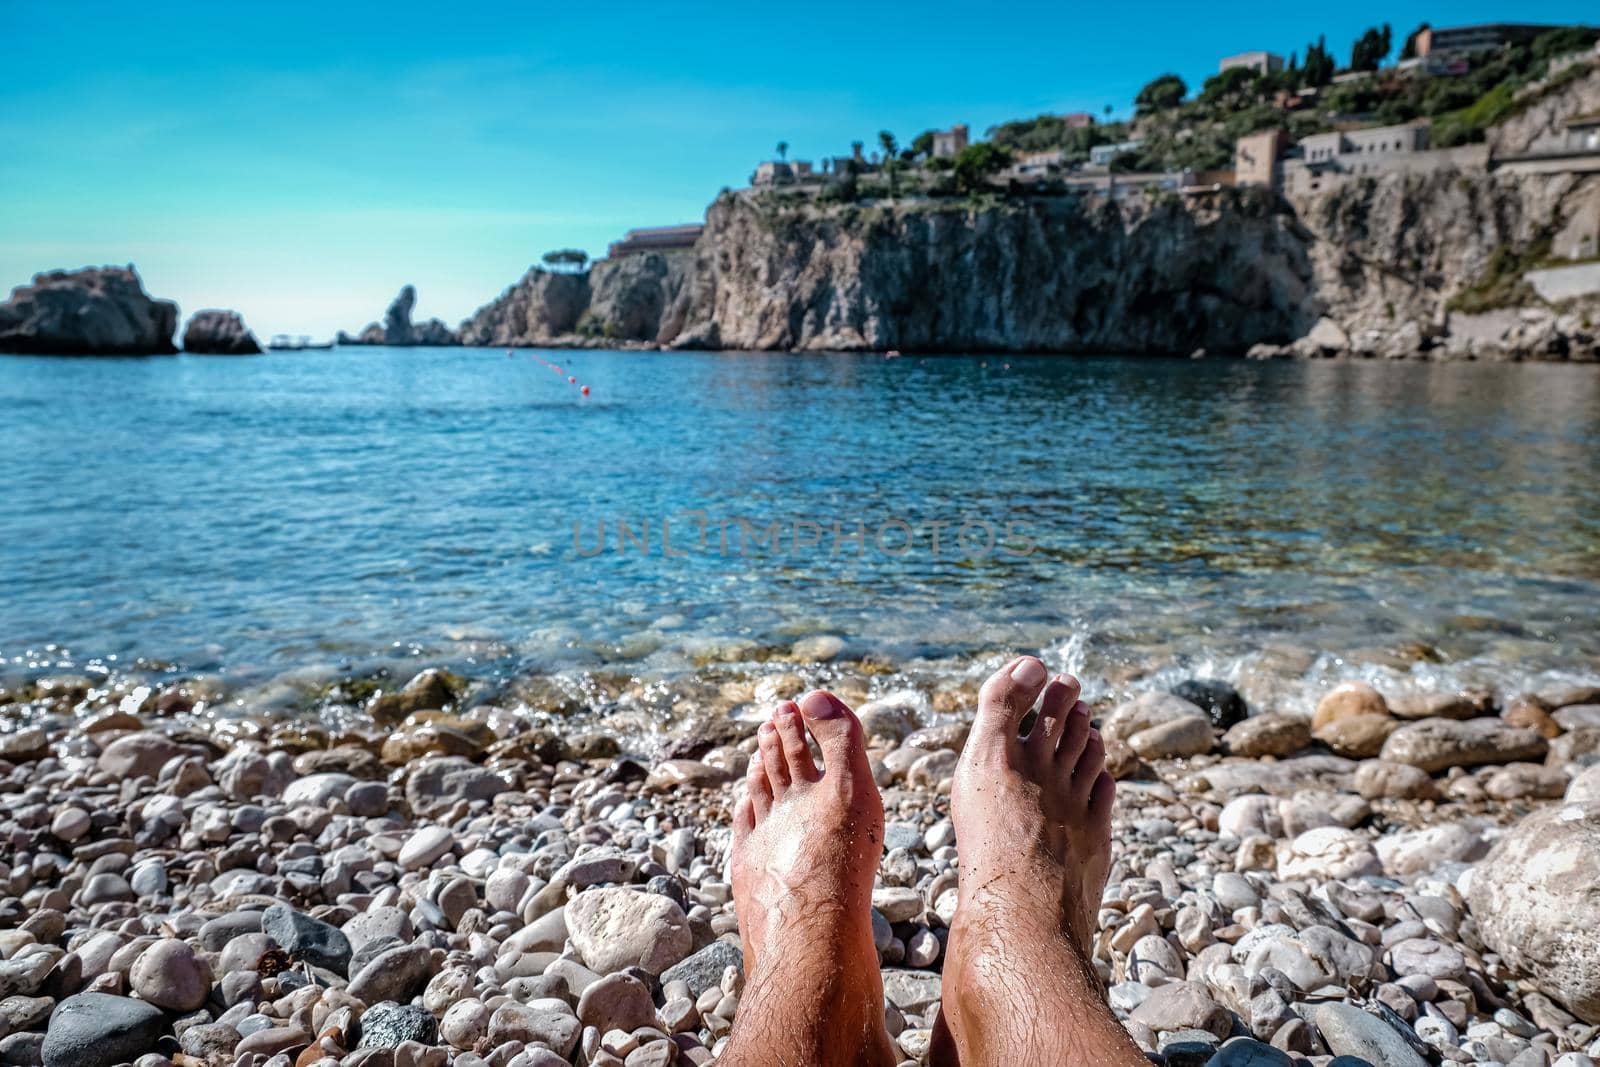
93	311
398	330
1401	878
219	333
1396	265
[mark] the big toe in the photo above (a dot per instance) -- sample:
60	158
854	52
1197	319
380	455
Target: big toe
1006	697
838	733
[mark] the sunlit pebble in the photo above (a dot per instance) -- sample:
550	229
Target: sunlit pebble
984	365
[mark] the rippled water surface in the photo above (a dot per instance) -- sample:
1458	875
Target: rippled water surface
250	516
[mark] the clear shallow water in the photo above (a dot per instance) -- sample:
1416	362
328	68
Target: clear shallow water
256	516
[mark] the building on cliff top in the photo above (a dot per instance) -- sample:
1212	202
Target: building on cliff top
781	172
947	143
656	239
1482	37
1101	155
1077	120
1257	156
1260	62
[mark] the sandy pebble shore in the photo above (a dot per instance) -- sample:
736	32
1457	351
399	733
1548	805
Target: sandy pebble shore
1392	882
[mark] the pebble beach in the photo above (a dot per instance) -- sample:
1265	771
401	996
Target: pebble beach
1393	879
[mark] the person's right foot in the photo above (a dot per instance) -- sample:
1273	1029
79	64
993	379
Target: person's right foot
1032	817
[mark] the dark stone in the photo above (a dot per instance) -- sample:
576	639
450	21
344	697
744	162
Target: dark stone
308	939
100	1030
88	312
1220	700
667	886
388	1025
220	333
704	969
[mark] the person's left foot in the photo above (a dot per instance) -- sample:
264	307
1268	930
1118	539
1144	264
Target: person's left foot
806	846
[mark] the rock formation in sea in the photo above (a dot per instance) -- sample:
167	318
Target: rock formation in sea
397	329
220	333
96	311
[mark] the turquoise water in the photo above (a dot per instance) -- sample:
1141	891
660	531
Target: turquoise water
255	516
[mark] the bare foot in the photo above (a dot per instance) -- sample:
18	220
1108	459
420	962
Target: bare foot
1033	824
806	846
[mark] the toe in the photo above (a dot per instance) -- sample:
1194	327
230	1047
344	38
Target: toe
838	733
772	760
1074	735
1054	707
1005	698
744	819
1090	764
1102	795
758	788
792	742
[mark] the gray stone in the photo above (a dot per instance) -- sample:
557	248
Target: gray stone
704	968
305	938
100	1030
388	1025
398	974
1349	1031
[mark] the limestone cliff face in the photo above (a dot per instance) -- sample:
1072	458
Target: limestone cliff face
641	297
1136	275
542	306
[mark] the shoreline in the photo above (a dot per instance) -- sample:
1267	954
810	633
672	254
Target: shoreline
398	891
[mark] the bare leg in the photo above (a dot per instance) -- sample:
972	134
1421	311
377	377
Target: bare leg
806	845
1033	823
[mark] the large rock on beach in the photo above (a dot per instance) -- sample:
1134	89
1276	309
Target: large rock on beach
220	333
1536	898
94	311
100	1030
614	927
1438	744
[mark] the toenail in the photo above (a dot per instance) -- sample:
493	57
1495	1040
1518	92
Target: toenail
825	706
1030	672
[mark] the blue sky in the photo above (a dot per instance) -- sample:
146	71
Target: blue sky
300	162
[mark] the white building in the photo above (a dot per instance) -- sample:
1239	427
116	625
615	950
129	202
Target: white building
1101	155
1260	62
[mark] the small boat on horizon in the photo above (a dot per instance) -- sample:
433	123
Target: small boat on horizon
282	342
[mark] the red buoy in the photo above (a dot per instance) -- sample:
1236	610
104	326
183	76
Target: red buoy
585	390
571	380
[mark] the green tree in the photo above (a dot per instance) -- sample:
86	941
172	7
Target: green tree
1234	88
566	260
1162	94
922	144
1318	68
976	162
1370	49
783	150
891	147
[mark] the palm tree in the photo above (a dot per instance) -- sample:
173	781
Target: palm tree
783	150
891	148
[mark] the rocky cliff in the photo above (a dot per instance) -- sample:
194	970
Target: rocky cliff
640	297
219	333
1063	274
398	330
1397	265
93	311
